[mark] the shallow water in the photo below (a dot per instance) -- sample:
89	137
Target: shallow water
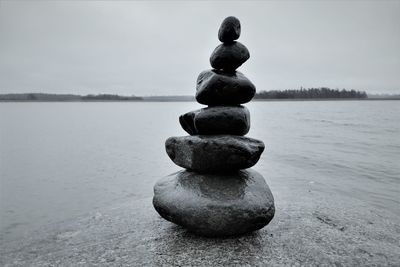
61	160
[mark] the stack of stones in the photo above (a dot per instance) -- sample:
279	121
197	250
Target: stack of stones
217	195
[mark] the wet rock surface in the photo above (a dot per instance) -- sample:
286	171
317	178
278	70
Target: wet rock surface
216	204
229	56
219	88
133	234
233	120
214	153
229	30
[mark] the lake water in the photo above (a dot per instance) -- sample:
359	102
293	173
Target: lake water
62	160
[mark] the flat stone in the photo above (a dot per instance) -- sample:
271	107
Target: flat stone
233	120
229	56
215	205
219	88
214	153
229	30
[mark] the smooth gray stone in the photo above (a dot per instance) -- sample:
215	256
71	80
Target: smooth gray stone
229	56
215	205
219	88
229	30
233	120
214	153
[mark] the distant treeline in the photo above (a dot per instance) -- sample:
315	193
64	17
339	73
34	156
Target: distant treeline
66	97
111	97
322	92
310	93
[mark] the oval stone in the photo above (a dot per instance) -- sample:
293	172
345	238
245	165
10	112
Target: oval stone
229	56
220	88
229	30
214	153
215	205
233	120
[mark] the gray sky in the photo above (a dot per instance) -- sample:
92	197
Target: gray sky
159	48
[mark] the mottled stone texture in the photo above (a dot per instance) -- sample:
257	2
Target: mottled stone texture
215	204
229	56
219	88
214	153
217	120
229	30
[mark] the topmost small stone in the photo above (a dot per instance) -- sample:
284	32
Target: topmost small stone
229	30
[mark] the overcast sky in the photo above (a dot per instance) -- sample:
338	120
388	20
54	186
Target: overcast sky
159	48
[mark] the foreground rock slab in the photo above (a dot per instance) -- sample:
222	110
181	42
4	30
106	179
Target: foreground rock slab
219	88
214	153
215	205
233	120
317	228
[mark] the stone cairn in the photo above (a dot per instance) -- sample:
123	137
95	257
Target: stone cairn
217	195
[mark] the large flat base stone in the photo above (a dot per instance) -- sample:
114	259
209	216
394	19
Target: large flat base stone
215	204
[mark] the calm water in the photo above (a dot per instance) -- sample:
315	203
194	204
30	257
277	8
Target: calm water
61	160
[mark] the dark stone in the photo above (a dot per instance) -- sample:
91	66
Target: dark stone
219	88
214	153
229	30
229	56
215	205
217	120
